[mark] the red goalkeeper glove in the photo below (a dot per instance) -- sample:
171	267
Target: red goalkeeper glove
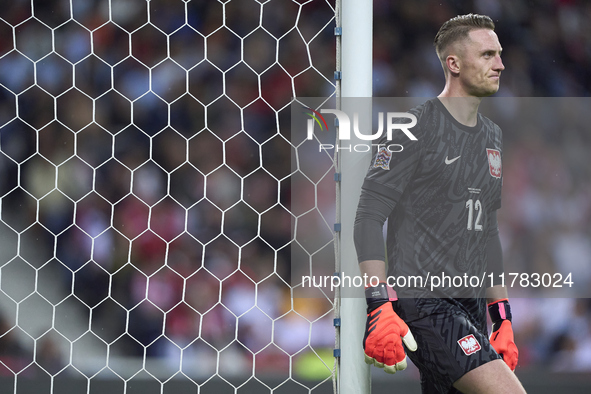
502	338
385	332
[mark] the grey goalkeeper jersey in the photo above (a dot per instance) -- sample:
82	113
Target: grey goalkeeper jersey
443	187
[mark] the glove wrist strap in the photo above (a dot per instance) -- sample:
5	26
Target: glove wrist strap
380	293
499	311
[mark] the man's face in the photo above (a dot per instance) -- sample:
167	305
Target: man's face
480	63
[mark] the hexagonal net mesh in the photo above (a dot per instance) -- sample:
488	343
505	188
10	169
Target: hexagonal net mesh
146	187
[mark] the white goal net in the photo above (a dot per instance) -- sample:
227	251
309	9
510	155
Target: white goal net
146	194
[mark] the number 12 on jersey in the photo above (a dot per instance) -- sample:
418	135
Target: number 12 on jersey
472	207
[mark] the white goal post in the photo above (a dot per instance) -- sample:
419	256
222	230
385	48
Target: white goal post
356	67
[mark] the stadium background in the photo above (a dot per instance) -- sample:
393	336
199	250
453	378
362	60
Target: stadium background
545	220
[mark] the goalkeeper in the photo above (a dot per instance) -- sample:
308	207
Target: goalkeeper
440	195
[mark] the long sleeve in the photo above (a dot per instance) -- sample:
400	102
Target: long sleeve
494	252
372	212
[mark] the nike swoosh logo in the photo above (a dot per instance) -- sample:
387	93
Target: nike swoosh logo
452	160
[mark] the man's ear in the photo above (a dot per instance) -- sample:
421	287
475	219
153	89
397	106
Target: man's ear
452	62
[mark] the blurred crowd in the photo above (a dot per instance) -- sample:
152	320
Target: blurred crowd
151	159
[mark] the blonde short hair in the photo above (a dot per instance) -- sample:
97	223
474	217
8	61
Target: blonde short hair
457	29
